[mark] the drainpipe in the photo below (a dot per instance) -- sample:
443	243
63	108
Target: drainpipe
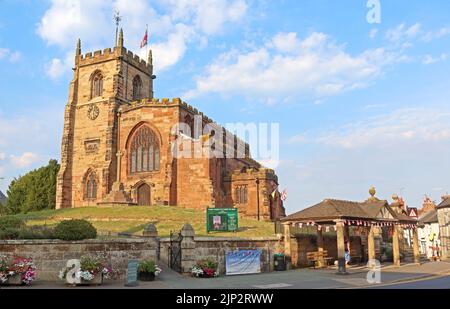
257	196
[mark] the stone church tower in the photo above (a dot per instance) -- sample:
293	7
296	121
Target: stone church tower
117	145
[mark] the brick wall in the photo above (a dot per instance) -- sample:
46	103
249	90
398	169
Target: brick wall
50	256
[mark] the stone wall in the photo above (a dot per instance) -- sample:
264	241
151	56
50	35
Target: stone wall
198	248
50	256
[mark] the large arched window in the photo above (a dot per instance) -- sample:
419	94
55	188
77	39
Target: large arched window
91	186
144	151
97	85
137	88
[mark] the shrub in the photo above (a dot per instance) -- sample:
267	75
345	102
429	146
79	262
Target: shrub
10	227
149	266
75	230
10	222
37	232
9	233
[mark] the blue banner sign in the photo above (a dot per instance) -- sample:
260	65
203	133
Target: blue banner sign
243	262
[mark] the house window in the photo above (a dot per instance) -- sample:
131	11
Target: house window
242	194
91	186
97	85
144	150
137	88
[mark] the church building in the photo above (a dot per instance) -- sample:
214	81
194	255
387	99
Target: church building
120	146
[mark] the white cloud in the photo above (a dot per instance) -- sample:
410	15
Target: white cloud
437	34
24	160
208	16
15	56
66	20
403	33
373	33
428	59
12	56
171	28
412	125
289	67
2	156
55	69
3	52
286	42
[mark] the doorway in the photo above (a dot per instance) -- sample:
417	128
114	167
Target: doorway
143	195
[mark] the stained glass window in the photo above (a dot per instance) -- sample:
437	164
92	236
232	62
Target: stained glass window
144	150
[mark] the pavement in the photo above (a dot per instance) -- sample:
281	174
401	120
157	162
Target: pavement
427	275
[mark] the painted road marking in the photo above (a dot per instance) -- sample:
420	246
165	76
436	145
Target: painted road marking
273	286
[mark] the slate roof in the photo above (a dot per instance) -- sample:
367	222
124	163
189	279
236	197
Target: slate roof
445	203
429	217
331	209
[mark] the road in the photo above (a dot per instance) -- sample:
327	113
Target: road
431	283
434	275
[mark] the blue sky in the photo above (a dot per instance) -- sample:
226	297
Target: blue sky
358	104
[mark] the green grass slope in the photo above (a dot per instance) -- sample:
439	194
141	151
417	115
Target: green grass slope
133	219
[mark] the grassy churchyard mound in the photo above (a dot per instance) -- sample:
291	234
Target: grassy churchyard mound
131	220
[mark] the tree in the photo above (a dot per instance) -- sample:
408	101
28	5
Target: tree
34	191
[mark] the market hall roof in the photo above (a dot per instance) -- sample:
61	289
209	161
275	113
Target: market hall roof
332	209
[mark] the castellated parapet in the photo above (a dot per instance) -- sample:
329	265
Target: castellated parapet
109	54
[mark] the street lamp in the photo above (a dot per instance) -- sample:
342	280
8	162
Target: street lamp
257	196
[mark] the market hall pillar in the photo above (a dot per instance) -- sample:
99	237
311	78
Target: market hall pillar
416	245
320	246
287	244
371	243
340	226
396	246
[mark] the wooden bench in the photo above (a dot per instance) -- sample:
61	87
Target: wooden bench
314	258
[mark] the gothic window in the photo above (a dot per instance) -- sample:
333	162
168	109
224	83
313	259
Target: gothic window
241	194
144	151
91	186
97	85
137	88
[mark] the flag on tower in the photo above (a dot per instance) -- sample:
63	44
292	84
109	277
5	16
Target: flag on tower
284	196
144	41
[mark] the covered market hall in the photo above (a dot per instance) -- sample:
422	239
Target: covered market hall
365	226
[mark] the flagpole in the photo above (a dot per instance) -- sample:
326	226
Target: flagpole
146	45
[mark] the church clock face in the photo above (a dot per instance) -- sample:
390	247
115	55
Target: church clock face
93	112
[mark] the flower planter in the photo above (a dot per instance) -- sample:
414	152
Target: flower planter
14	280
147	277
98	280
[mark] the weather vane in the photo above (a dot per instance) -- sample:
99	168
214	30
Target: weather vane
117	19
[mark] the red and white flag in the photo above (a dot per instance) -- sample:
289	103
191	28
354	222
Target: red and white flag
284	196
144	41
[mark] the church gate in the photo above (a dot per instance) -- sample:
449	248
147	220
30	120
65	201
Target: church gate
175	251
